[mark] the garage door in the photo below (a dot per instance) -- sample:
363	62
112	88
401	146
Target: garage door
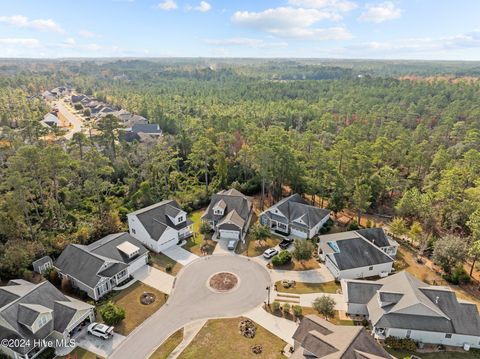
229	234
140	262
298	233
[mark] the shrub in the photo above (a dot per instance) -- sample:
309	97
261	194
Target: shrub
286	308
205	228
168	267
297	310
276	305
353	226
284	257
112	314
401	343
276	261
458	276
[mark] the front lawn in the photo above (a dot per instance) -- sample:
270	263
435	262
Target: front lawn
253	248
472	354
220	338
195	243
305	288
135	312
168	346
80	353
338	319
162	262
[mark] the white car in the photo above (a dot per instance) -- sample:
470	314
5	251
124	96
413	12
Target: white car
100	330
231	244
269	253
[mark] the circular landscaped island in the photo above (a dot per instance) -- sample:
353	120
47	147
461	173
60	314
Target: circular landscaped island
223	282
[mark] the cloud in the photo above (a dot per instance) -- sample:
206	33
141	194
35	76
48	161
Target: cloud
332	5
167	5
381	12
203	6
244	41
25	42
86	34
37	24
292	22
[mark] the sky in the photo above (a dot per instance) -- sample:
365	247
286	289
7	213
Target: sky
376	29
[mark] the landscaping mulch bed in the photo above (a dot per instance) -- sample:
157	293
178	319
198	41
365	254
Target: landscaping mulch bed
223	282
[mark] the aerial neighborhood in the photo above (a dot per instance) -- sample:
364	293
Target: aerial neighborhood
249	208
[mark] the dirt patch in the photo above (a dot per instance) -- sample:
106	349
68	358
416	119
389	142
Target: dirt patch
147	298
223	282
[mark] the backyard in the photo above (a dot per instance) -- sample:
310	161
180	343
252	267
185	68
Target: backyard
135	312
164	350
220	338
305	288
195	243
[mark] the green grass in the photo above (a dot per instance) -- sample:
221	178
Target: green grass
220	338
168	346
472	354
305	288
194	243
80	353
161	261
135	312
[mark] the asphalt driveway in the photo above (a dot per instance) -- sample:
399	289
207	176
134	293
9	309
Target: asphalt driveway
101	347
192	300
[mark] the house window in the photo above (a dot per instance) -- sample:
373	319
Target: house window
370	268
180	219
448	336
42	321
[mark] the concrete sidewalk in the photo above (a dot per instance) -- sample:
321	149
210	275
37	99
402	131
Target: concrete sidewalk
281	327
155	278
189	332
180	255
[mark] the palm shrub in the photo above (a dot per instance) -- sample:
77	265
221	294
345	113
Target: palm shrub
112	314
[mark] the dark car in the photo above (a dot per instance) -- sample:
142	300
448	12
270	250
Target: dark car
285	243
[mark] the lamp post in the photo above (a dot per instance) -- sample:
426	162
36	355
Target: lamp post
268	296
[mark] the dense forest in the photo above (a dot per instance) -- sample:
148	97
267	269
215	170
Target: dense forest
357	134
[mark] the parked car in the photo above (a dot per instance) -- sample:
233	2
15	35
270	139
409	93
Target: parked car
285	243
231	244
269	253
100	330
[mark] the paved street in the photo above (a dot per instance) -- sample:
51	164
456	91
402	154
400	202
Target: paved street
192	300
155	278
71	118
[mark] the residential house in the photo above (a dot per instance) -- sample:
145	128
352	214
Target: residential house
229	214
160	226
77	98
42	264
50	120
358	254
101	266
293	215
317	338
402	306
33	312
48	96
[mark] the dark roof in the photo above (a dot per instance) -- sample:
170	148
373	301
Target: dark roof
357	253
322	338
86	263
155	218
375	235
35	298
146	128
295	207
359	291
41	261
234	201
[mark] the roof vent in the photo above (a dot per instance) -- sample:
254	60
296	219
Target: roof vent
436	299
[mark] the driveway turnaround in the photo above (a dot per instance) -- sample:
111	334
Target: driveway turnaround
180	255
155	278
192	299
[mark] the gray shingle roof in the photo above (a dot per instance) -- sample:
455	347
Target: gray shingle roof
155	218
326	340
152	128
25	308
86	263
233	200
375	235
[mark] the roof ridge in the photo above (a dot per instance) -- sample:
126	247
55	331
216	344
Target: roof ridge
34	286
152	206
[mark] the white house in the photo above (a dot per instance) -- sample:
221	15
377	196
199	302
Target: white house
160	226
293	215
102	265
229	214
354	254
404	307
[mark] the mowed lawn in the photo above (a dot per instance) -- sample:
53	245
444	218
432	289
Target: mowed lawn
220	338
305	288
135	312
472	354
164	350
195	243
80	353
162	262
